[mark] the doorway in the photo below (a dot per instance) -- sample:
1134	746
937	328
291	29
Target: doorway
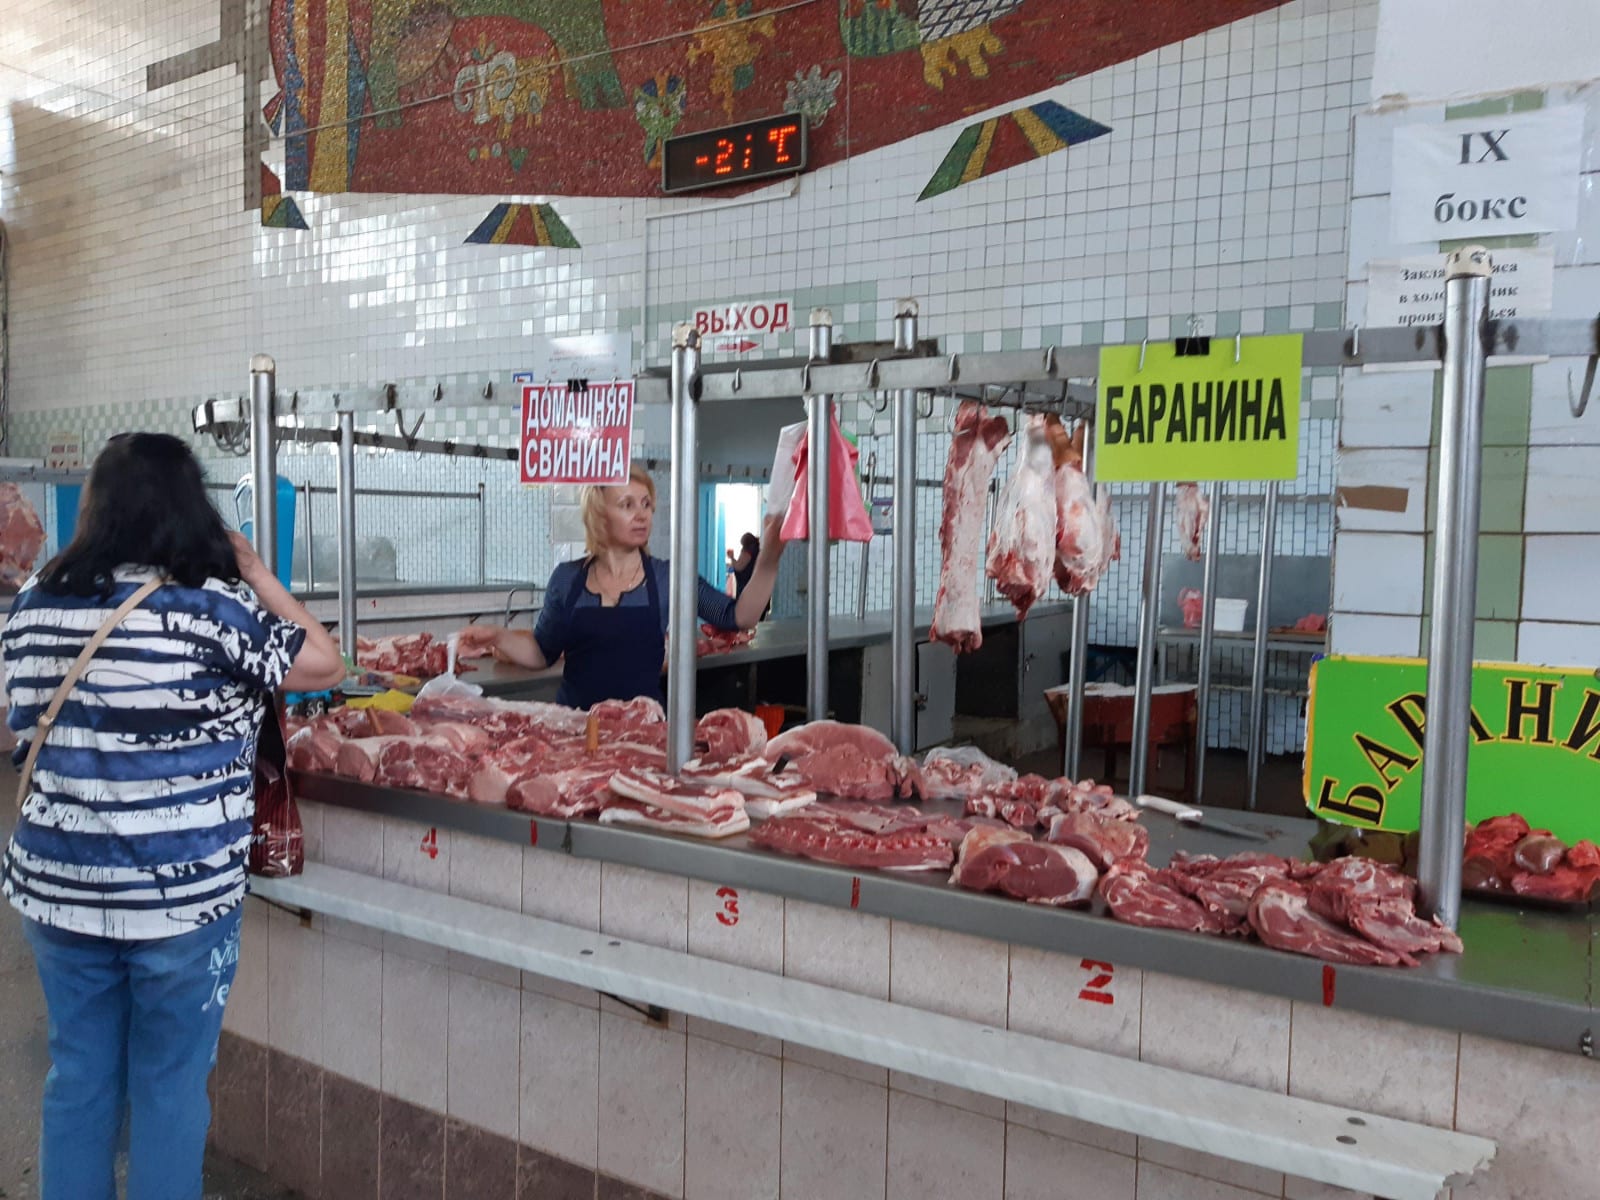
728	511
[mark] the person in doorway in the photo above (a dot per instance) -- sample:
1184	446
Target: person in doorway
742	566
128	859
605	615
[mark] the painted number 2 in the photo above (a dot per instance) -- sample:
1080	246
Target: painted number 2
430	843
1100	979
729	913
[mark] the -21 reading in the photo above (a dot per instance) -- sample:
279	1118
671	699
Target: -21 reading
753	150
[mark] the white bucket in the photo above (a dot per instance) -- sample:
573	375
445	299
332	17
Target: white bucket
1229	615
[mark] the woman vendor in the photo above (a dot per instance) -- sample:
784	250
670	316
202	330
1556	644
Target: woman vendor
605	615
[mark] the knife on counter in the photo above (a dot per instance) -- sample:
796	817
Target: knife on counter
1187	814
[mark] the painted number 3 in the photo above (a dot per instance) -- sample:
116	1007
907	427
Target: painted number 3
729	913
1099	980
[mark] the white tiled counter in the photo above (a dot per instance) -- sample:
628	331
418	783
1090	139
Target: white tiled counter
360	1064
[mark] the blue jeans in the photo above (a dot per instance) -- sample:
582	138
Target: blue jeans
133	1025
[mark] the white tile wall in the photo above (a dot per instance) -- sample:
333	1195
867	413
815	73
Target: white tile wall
1559	577
733	1123
560	1110
483	1082
1388	578
642	1071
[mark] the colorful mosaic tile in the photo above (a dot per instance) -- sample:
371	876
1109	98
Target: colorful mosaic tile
1001	142
523	225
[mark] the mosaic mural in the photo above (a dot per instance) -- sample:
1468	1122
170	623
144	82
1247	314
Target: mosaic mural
277	210
522	225
1020	136
576	97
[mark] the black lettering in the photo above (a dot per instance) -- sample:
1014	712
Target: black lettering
1275	418
1480	731
1158	408
1491	139
1201	415
1250	413
1381	757
1466	149
1363	803
1177	422
1586	728
1541	710
1136	416
1411	711
1227	411
1113	416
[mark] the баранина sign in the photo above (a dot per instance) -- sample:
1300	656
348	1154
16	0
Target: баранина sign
1199	416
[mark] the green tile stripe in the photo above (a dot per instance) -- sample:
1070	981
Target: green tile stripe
1508	410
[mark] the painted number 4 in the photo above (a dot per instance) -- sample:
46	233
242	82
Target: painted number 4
1100	979
430	843
729	914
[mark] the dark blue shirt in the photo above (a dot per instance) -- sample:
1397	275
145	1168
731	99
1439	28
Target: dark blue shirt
551	629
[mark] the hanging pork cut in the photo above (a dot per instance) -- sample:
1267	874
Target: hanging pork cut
1022	545
1087	541
974	451
1194	510
21	537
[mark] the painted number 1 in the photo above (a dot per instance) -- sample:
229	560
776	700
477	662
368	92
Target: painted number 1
1093	991
729	914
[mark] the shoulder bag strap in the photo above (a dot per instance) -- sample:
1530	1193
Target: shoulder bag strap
48	719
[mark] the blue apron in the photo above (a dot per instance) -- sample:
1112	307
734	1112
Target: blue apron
612	653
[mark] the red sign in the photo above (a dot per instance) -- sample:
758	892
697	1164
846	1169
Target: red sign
578	433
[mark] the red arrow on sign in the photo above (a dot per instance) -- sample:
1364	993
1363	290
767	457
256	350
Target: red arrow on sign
738	347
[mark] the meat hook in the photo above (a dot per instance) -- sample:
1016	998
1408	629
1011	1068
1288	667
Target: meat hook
925	416
438	392
400	426
872	375
1238	345
1580	403
1355	341
738	378
1050	362
954	372
488	390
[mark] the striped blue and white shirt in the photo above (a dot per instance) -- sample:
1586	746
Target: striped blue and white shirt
138	821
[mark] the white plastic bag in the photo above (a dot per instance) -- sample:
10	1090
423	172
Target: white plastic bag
961	772
781	489
448	687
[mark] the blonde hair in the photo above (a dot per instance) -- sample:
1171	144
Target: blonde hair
592	504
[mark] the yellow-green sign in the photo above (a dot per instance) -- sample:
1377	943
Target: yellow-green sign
1535	744
1199	416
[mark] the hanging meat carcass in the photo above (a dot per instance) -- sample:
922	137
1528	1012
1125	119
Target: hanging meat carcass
21	537
1022	545
974	451
1194	510
1087	541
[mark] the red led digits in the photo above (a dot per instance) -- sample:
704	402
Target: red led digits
724	155
779	137
749	140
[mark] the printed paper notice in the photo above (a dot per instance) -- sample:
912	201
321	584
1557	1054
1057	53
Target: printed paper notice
581	435
1410	291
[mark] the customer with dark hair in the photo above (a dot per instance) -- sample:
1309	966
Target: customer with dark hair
128	860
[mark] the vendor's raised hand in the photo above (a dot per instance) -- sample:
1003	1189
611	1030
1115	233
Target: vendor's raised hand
772	542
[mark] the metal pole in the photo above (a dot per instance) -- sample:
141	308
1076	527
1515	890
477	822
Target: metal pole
818	435
866	550
346	489
903	590
1258	661
685	546
264	458
1455	585
311	542
1149	611
483	536
1208	617
1078	680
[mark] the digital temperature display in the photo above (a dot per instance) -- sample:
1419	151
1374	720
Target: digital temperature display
753	150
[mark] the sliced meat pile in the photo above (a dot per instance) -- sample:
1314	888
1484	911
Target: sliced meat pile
1503	854
1194	509
21	537
658	800
851	762
719	641
974	453
1012	863
767	792
854	834
416	654
1033	800
1022	545
1350	911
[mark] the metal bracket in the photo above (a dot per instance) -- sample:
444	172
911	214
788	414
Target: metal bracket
1050	362
391	396
438	392
1580	403
872	375
925	416
954	372
488	390
400	425
650	1012
1143	346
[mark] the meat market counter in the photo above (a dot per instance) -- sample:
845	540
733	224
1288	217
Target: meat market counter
1527	975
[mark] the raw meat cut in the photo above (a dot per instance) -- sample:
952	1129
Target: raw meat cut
981	837
1022	545
631	812
726	733
571	793
21	537
686	798
960	773
1103	839
1080	533
414	654
468	739
1282	918
1504	854
424	765
504	766
860	835
1085	796
1226	886
1350	880
314	746
719	641
765	794
1136	894
851	762
1194	509
1566	883
974	452
1025	869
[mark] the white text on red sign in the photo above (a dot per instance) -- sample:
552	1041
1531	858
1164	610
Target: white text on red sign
576	436
759	316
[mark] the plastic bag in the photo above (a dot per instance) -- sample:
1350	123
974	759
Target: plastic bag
277	842
448	687
847	511
1191	602
958	772
781	490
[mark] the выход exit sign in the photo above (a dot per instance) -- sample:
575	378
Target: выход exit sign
735	154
